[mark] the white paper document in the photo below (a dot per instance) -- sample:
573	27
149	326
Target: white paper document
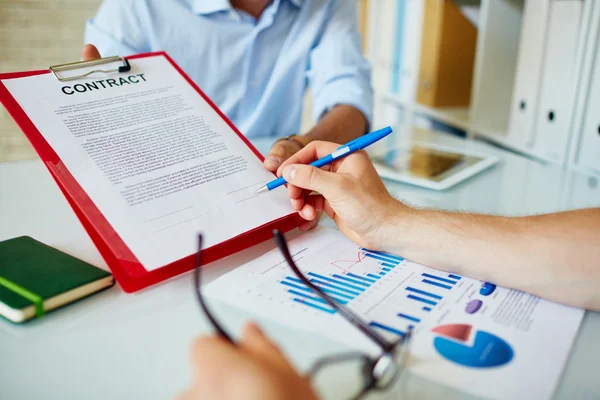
154	157
486	340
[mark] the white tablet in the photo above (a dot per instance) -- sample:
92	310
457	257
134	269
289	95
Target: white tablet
431	166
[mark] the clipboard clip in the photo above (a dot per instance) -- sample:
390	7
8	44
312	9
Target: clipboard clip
80	64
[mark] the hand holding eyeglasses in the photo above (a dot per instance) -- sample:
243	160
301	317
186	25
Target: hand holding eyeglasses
250	366
361	373
255	368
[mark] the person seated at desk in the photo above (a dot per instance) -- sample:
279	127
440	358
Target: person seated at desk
254	59
555	256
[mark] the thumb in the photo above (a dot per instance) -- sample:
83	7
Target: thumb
312	178
257	343
89	52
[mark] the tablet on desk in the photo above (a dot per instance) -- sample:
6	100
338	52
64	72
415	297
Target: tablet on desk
431	166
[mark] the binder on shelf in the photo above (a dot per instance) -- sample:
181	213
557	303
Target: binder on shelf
363	12
372	29
125	266
558	80
447	56
382	71
398	51
408	65
523	111
588	152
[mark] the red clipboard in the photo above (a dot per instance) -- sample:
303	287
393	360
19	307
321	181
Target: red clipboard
128	271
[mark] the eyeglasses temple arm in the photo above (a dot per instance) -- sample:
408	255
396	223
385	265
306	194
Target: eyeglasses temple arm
197	289
346	313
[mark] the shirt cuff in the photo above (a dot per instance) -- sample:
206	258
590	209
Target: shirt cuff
343	91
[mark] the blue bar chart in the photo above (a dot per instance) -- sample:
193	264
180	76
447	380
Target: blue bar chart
357	275
408	317
391	294
421	299
387	328
387	262
364	279
344	286
315	306
424	292
434	283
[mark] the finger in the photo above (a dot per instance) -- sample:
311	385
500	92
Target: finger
297	204
213	356
308	225
312	208
315	179
317	201
328	167
295	192
280	152
308	212
327	209
313	205
311	152
297	196
89	52
312	211
255	342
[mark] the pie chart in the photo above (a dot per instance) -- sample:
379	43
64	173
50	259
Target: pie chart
453	342
487	288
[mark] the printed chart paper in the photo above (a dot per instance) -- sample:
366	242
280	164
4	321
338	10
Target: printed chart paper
486	340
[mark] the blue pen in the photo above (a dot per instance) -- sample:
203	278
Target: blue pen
342	151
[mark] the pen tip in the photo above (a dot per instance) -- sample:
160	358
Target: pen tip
261	190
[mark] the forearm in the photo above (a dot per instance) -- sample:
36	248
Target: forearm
555	256
339	125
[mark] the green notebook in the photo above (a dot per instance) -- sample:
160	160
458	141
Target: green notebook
36	278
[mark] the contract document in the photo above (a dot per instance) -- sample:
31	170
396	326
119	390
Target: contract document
156	158
482	339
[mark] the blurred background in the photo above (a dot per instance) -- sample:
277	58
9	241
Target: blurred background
35	34
520	74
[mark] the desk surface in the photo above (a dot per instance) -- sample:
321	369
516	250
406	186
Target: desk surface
115	345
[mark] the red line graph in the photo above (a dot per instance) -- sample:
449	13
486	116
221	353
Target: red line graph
359	257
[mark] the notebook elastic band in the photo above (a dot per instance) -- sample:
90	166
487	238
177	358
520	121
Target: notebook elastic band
21	291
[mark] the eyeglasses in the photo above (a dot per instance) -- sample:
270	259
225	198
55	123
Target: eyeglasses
361	372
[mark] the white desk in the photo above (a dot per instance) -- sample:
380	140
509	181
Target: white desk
120	346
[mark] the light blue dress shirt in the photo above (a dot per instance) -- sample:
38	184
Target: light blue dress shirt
256	71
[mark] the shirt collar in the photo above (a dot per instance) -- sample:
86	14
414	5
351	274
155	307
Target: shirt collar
212	6
204	7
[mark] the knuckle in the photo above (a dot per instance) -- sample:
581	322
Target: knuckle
317	145
277	149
